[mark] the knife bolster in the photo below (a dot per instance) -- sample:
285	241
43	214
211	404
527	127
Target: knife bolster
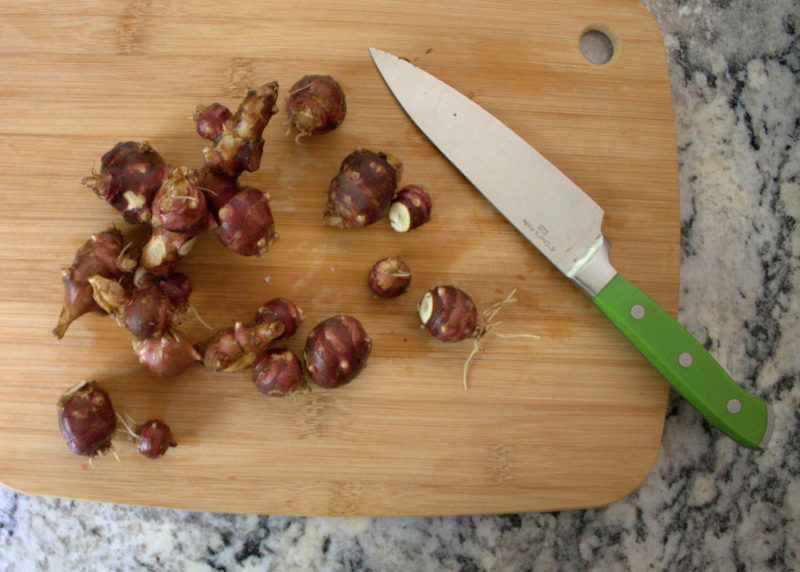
593	275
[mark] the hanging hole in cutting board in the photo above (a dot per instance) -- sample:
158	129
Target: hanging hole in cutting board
597	45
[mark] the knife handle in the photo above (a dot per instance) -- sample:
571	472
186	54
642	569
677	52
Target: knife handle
688	367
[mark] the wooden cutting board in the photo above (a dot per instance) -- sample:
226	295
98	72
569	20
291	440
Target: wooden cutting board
572	419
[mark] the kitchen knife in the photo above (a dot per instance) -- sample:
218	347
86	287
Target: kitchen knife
564	223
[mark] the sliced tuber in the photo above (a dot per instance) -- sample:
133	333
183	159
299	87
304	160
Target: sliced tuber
389	277
281	309
410	209
168	355
237	145
245	223
87	419
336	351
130	175
102	255
316	105
363	189
278	372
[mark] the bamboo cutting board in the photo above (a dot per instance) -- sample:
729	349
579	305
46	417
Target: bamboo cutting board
572	419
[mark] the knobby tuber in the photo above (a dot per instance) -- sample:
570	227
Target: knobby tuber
245	223
180	206
102	255
168	355
237	145
87	419
236	348
283	310
165	249
217	186
389	277
316	105
411	208
130	175
363	189
336	351
450	314
277	372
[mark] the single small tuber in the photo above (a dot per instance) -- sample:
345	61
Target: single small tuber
316	105
281	309
236	348
245	223
389	277
168	355
450	314
411	208
130	175
180	206
154	439
237	145
363	189
87	419
336	351
278	372
102	255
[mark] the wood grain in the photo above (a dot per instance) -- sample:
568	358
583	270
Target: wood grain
573	419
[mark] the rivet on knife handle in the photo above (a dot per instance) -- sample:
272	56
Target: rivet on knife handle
689	368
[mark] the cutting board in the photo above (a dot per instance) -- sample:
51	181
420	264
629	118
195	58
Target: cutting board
571	419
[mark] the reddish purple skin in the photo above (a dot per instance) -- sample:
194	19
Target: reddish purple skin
228	346
277	372
218	187
316	105
180	206
167	356
210	121
454	315
418	202
169	247
283	310
155	438
148	312
336	351
239	147
177	286
129	167
87	420
246	225
100	255
362	191
383	277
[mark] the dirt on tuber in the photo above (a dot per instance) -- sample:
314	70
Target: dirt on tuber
389	277
362	191
277	372
87	420
316	105
336	351
410	209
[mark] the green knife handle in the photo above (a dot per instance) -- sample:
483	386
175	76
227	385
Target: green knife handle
687	366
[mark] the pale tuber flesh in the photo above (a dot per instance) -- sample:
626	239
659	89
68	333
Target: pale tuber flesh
410	209
316	105
130	175
277	372
363	189
281	309
87	419
336	351
245	223
102	255
389	277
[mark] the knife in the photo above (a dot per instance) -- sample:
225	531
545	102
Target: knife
564	223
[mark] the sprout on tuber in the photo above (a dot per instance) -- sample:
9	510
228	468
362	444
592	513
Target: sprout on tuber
130	174
411	208
180	206
316	105
168	355
336	351
277	372
236	348
102	255
389	277
283	310
363	189
245	223
87	419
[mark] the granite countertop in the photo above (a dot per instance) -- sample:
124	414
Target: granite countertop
708	503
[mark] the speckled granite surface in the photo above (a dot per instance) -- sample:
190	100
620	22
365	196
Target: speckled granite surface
708	504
